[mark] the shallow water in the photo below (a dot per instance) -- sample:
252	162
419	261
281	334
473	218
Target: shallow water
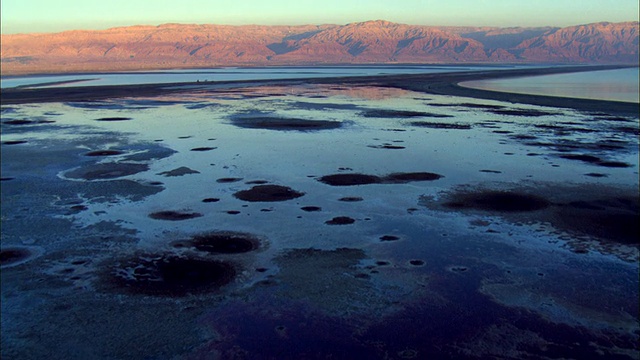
615	85
413	261
228	74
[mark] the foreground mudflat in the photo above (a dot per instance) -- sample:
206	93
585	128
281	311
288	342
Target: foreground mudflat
318	221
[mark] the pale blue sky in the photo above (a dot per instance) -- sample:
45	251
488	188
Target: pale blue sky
58	15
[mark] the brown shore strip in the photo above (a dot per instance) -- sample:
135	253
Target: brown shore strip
439	84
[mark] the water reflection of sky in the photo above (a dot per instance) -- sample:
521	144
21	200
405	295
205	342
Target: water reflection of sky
617	85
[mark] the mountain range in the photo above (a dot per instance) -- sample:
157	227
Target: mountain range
380	42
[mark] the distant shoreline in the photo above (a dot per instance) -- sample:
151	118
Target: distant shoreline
439	83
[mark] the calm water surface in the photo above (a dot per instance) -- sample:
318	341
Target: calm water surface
229	74
616	85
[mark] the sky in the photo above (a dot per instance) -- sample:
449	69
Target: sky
27	16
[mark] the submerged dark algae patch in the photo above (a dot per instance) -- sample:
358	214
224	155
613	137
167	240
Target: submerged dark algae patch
382	113
500	201
267	193
340	220
173	215
441	125
605	214
183	170
225	242
105	171
364	179
169	275
10	256
104	153
284	124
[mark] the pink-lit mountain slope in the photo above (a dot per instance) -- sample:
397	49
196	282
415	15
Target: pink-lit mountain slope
187	46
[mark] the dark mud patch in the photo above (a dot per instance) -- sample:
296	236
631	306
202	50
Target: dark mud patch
14	142
104	153
12	256
596	175
595	160
228	180
416	262
364	179
386	146
402	178
340	220
284	124
491	171
389	238
499	201
173	215
225	242
311	208
105	171
616	219
267	193
114	119
27	122
169	275
210	200
585	215
523	112
257	182
441	125
390	114
183	170
203	148
351	199
350	179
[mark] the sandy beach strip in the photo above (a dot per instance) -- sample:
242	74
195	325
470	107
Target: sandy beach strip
440	84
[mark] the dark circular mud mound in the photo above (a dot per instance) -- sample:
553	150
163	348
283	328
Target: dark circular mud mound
389	238
350	179
266	193
173	215
340	220
400	178
11	256
225	242
114	119
171	275
284	124
104	153
203	148
210	200
106	171
500	201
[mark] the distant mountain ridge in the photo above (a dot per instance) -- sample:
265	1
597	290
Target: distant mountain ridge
190	46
